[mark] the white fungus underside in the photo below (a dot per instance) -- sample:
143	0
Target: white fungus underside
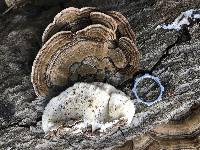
97	104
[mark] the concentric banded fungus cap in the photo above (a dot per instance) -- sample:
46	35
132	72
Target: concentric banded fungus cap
185	124
39	68
180	133
124	27
106	20
72	19
89	51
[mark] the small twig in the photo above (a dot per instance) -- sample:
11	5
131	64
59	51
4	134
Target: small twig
9	9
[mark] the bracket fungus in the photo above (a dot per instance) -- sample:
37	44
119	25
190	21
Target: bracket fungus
97	104
85	45
181	132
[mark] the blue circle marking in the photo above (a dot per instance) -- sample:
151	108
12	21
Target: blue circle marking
148	76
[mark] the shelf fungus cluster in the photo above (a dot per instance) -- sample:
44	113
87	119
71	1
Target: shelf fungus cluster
85	45
181	132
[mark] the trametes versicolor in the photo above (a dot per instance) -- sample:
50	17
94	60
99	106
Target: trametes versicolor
86	45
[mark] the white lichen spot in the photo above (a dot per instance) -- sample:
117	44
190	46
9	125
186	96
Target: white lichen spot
185	19
98	105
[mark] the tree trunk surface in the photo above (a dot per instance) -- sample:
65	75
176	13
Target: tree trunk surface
20	111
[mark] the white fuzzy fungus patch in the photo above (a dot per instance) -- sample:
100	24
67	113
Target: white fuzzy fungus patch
97	104
185	19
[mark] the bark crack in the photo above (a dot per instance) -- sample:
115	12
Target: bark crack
183	36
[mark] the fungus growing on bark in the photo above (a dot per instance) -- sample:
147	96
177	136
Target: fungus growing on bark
69	19
124	27
98	105
181	132
100	49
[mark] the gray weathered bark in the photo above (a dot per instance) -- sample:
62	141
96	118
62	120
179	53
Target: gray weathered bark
20	34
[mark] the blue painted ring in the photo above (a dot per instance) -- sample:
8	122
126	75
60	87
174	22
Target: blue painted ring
148	76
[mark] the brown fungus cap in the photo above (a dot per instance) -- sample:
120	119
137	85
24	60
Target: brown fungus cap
187	127
74	19
97	31
180	133
89	50
68	19
39	68
106	20
124	27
